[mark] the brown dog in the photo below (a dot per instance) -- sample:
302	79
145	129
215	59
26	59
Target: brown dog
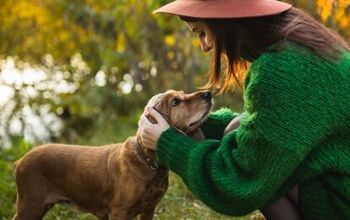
117	181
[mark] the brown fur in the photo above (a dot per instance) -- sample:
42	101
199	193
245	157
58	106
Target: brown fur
112	181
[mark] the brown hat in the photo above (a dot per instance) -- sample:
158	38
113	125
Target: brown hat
223	8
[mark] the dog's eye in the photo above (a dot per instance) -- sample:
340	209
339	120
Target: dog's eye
175	102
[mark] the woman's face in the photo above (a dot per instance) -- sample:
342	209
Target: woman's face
204	34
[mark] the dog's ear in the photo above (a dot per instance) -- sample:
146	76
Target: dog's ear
197	135
153	102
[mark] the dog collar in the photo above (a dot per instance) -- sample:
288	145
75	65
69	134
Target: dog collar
150	161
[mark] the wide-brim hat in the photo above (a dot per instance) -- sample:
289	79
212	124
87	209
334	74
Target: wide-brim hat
224	8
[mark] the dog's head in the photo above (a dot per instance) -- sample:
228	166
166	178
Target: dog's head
186	112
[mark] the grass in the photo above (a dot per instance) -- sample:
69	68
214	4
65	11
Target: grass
178	202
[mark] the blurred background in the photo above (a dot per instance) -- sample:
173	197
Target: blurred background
81	71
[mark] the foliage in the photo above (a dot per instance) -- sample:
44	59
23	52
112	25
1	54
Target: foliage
7	184
110	54
333	13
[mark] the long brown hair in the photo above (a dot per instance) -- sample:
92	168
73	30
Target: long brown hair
238	40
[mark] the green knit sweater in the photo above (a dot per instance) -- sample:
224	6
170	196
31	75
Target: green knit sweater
295	131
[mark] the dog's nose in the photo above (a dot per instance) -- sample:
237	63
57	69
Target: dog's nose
207	96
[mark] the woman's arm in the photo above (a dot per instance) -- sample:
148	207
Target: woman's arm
287	116
214	126
234	176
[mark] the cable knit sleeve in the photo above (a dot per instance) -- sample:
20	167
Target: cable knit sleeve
287	102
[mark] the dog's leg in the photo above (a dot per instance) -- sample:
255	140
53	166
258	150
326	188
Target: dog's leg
119	214
104	217
146	215
128	194
29	210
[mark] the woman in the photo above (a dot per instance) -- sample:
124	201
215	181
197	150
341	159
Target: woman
290	155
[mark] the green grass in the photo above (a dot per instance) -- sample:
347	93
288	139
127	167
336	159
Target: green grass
178	202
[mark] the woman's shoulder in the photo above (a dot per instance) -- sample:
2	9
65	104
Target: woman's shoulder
294	60
293	66
296	54
280	61
286	52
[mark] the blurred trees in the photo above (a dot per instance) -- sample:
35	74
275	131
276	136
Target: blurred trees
99	58
70	63
333	13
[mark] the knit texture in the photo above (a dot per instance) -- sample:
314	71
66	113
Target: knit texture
295	130
216	123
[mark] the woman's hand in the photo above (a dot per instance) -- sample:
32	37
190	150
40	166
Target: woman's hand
148	132
233	124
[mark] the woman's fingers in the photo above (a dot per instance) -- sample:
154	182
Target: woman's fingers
144	127
144	120
233	124
140	120
149	130
156	115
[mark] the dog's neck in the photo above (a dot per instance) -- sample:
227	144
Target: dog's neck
149	156
146	154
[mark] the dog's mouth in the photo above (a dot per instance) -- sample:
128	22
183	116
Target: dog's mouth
198	122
